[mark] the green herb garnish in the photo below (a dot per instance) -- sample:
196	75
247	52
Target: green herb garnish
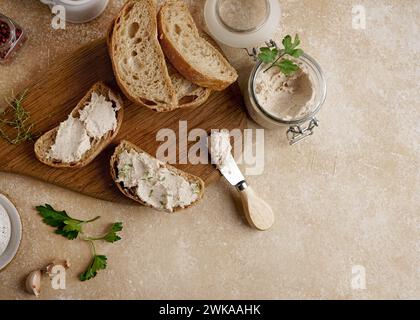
71	228
98	263
276	57
66	225
16	118
147	176
111	236
124	171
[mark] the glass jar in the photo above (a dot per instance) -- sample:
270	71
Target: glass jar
242	23
301	125
12	37
247	24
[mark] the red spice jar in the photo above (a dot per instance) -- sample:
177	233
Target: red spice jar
12	37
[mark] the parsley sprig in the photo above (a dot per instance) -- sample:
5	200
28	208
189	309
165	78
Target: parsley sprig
276	57
111	236
72	228
99	262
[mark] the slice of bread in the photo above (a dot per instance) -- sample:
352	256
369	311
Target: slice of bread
131	192
45	142
137	58
194	57
139	64
189	95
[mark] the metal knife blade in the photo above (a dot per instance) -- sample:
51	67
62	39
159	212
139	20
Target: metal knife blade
231	172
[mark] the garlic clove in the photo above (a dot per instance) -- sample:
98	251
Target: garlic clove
48	269
66	264
33	282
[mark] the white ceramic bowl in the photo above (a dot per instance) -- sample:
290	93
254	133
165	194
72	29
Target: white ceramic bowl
80	11
15	232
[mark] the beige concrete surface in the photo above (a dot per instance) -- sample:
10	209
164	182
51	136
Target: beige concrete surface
349	196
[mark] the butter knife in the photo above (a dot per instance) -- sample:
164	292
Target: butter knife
257	212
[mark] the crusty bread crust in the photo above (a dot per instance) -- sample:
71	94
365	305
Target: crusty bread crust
154	105
193	99
126	145
178	60
44	143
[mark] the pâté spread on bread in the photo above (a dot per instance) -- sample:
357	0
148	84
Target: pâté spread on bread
71	142
74	135
89	128
154	183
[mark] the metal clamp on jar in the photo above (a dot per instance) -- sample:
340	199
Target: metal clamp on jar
248	23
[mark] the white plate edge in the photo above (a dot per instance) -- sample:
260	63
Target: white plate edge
16	232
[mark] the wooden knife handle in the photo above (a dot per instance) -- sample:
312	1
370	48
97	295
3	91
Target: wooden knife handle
258	213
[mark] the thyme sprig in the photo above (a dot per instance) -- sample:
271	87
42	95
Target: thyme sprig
17	118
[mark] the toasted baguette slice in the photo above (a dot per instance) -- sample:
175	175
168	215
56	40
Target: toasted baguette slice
194	57
131	192
137	58
45	142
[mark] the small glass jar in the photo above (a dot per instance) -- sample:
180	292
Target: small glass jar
242	23
302	126
12	37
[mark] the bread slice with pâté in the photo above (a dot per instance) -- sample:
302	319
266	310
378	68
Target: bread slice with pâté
152	183
43	146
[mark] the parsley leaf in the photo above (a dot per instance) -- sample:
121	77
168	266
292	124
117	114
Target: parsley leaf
288	66
268	55
291	45
99	262
52	217
112	236
297	53
71	235
273	56
71	229
66	226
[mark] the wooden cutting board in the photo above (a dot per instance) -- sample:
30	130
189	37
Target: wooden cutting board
50	100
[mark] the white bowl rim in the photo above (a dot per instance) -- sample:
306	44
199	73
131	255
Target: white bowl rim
75	3
16	232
